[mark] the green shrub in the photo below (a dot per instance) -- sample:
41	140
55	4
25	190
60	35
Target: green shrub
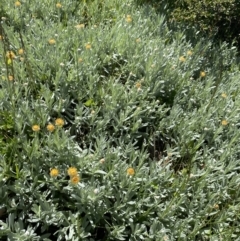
215	18
114	127
219	17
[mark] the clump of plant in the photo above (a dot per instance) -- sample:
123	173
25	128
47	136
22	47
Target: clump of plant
217	18
114	127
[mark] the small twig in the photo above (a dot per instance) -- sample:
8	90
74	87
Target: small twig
26	61
216	88
6	47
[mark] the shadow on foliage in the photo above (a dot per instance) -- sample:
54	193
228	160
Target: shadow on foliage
218	20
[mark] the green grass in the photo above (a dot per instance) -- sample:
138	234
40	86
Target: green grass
121	89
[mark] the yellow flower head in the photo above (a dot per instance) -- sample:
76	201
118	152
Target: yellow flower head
224	95
129	19
54	172
130	171
75	179
51	41
202	74
182	59
88	46
20	51
165	238
10	55
36	128
72	171
59	122
1	37
102	160
17	4
50	127
58	5
216	206
80	60
80	26
224	122
138	40
189	52
138	85
10	78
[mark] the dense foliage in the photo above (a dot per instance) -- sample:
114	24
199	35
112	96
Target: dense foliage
220	17
114	127
217	18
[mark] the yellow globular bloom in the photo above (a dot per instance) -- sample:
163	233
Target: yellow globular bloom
224	95
72	171
129	19
80	60
189	52
138	85
224	122
50	127
75	179
20	51
216	206
51	41
80	26
58	5
17	4
10	55
102	160
59	122
54	172
1	37
36	128
202	74
130	171
88	46
10	78
165	238
138	40
182	59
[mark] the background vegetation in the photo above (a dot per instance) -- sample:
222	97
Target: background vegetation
218	18
115	124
